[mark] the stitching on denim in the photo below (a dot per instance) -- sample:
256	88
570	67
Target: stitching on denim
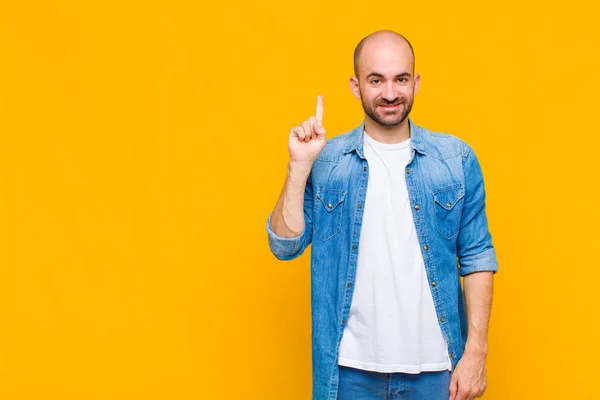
420	225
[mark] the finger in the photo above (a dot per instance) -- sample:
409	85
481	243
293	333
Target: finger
319	111
307	131
319	131
313	125
463	394
298	132
453	387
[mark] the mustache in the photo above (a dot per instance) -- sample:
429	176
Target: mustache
390	103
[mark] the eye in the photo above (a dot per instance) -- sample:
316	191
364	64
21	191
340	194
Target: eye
375	81
402	80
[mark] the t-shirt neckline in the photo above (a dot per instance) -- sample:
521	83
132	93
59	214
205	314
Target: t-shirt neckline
386	146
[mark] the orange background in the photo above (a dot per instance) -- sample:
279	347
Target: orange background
143	144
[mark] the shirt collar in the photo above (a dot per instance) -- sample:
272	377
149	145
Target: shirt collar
357	139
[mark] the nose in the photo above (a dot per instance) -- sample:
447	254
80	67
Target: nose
388	92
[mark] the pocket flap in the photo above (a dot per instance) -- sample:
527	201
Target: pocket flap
330	198
448	197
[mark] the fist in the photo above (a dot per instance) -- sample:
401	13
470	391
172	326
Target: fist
308	139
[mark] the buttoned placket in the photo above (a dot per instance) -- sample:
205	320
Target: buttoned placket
358	214
429	269
351	273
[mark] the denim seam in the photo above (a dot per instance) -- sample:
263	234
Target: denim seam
350	274
428	259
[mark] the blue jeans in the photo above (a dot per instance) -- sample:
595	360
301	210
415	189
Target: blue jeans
356	384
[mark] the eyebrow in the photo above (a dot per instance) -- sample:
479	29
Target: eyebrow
378	75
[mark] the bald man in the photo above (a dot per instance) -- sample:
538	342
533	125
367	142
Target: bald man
396	215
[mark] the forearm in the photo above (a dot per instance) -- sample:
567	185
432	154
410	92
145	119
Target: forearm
478	288
287	219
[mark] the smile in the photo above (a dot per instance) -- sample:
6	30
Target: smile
390	106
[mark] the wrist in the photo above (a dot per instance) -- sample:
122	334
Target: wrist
476	349
299	170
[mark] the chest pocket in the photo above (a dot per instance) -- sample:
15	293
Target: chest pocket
328	212
448	205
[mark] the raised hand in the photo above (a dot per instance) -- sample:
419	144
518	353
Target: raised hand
308	139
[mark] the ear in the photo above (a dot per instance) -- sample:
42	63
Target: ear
417	83
355	87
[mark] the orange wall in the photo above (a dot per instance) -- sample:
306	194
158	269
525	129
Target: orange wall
143	144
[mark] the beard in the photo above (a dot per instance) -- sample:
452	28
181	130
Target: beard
384	118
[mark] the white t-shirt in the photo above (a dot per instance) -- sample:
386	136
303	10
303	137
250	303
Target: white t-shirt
392	326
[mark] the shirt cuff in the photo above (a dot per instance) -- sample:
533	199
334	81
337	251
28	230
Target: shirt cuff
284	248
484	261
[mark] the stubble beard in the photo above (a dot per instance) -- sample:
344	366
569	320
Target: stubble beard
371	111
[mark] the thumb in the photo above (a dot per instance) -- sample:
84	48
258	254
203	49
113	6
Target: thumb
319	130
453	387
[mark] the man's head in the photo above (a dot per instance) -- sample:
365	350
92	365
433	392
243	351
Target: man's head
385	79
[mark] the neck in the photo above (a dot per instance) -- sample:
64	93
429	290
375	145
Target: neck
387	134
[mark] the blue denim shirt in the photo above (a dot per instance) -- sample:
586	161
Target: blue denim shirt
447	197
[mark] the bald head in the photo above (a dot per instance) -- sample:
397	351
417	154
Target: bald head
387	39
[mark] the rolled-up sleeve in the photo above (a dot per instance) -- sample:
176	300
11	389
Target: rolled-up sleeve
288	248
475	250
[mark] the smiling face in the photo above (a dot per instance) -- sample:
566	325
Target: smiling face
385	81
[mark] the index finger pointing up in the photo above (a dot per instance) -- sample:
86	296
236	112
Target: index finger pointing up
319	112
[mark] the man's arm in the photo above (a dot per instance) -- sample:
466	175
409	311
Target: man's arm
287	219
289	226
478	264
478	301
469	379
474	247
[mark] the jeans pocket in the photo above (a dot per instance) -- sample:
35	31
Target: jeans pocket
448	205
328	212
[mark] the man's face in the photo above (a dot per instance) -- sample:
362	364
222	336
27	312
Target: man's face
386	85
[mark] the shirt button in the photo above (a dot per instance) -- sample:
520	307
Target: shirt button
343	321
349	284
433	284
443	319
448	204
451	355
359	206
426	247
329	205
408	171
354	247
417	207
364	169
